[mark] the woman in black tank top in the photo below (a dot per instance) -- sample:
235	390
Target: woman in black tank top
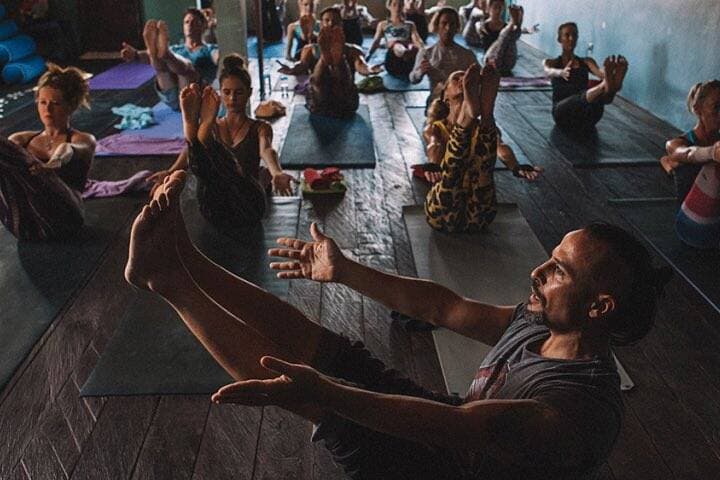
43	173
224	154
576	104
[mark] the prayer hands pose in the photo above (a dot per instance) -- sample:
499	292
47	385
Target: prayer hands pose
320	260
295	385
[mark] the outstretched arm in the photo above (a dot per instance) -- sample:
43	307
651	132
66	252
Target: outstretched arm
322	260
132	54
281	181
594	68
517	432
379	31
680	152
289	41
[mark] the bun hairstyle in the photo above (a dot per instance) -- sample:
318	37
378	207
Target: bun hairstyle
233	65
641	285
70	81
698	92
572	25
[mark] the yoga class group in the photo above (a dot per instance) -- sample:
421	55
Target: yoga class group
205	155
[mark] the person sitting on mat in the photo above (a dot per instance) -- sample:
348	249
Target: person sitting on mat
353	17
225	153
694	159
556	416
473	15
332	64
687	153
442	116
446	56
462	198
499	39
414	11
176	66
43	173
304	31
576	105
402	39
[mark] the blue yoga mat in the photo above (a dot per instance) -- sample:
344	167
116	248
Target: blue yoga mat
319	141
16	48
8	29
270	50
24	70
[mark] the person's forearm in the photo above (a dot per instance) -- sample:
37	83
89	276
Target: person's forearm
553	72
142	56
270	157
421	299
181	163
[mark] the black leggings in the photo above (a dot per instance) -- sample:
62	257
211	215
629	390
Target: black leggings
228	198
576	113
35	207
333	92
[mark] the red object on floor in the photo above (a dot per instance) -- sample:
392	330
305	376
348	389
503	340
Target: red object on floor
322	179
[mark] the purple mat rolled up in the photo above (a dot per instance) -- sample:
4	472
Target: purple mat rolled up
124	76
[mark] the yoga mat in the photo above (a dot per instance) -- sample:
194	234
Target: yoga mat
164	138
395	84
606	146
524	84
270	50
655	222
124	76
152	352
38	279
24	70
318	141
492	266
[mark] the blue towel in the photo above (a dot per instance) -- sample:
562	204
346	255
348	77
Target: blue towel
134	117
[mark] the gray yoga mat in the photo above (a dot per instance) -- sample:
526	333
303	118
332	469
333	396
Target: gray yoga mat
152	352
319	141
39	279
492	266
606	146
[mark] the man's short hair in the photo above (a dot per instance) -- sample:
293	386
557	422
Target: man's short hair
640	285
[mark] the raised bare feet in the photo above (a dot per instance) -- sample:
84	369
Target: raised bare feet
153	257
331	41
190	101
208	113
150	34
471	105
163	39
621	69
489	85
307	24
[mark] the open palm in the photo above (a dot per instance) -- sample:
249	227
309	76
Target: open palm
319	260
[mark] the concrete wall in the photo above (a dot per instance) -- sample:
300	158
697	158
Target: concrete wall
171	11
670	44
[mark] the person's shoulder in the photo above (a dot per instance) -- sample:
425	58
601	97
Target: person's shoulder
21	138
263	126
82	137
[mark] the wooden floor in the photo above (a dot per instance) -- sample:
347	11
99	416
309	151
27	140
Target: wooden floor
672	424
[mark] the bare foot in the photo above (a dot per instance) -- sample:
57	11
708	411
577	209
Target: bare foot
471	105
489	85
208	113
153	258
163	39
331	41
607	83
150	38
190	101
516	15
621	69
307	24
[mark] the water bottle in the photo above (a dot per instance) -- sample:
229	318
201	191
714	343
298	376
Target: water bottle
284	86
266	80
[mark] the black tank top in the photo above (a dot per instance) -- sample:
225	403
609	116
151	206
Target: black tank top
247	151
73	173
577	82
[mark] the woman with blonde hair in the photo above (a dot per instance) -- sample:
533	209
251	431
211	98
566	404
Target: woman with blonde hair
42	173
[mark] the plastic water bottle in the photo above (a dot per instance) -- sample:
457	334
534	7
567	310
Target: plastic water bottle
266	80
284	86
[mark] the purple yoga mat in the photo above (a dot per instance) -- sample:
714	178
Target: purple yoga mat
124	76
163	138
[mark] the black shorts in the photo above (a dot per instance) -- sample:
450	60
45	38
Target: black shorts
367	454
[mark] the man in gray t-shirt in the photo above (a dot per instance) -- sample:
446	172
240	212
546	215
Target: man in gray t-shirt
545	403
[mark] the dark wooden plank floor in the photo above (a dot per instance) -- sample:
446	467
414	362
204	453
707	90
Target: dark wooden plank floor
672	424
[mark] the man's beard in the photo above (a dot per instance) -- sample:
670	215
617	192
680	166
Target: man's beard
536	318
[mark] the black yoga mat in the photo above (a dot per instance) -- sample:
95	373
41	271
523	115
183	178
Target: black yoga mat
152	352
608	145
655	221
319	141
39	279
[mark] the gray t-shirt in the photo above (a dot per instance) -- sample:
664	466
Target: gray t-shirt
586	392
